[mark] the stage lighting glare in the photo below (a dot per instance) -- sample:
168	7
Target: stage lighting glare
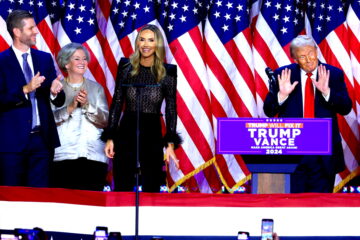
181	189
164	189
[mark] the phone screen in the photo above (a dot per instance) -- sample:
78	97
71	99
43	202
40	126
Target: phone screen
243	235
8	237
100	235
267	228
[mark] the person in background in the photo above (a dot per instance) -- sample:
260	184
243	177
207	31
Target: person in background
154	81
80	162
28	83
310	89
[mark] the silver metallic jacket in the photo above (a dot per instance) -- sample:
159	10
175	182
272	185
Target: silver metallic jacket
80	131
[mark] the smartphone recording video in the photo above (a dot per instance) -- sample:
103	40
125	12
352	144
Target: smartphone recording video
267	229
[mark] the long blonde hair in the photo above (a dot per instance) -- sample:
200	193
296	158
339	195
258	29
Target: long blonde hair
157	68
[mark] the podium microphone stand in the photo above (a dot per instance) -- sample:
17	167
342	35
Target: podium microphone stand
137	173
138	87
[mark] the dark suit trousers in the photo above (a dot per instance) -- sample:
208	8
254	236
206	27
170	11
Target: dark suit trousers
311	176
28	168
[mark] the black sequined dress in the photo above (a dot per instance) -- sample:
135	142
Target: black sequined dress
122	126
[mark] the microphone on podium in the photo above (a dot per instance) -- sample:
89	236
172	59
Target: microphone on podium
272	80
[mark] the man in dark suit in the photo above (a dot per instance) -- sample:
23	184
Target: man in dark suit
330	97
28	83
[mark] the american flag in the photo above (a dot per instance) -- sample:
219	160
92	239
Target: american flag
126	17
326	22
353	21
277	24
182	23
46	39
228	57
79	24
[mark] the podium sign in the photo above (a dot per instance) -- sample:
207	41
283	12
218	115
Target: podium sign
274	136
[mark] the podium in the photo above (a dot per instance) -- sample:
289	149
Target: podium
270	174
271	147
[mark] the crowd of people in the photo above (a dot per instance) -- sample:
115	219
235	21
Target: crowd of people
59	131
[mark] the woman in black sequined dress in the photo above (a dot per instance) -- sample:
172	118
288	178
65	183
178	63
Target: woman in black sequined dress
146	75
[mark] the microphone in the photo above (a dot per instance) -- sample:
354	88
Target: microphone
272	80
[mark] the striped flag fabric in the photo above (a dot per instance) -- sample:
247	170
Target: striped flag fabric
182	24
125	18
353	22
46	40
79	24
228	57
277	24
326	22
5	38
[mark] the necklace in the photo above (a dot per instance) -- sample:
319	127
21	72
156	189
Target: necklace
77	88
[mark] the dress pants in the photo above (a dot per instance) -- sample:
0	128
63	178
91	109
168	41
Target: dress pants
28	168
312	176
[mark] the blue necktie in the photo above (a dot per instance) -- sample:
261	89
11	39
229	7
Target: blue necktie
28	76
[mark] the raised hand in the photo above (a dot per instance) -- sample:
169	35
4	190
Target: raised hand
285	86
323	80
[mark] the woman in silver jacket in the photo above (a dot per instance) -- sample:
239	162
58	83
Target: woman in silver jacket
80	162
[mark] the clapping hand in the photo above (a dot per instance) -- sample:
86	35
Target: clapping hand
56	86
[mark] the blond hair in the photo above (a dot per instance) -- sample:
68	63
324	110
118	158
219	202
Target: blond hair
157	68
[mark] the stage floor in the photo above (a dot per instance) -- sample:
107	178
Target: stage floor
74	214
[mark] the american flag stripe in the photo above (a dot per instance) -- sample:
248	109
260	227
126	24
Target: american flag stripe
228	57
194	76
110	64
112	49
326	22
195	133
233	175
5	38
353	22
332	55
49	38
268	46
221	75
194	110
3	44
242	54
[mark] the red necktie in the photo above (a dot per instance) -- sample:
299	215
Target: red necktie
309	97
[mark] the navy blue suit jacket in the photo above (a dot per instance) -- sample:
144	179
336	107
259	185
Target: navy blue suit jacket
339	103
15	108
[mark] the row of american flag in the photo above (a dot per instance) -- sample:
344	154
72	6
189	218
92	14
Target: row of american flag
221	48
